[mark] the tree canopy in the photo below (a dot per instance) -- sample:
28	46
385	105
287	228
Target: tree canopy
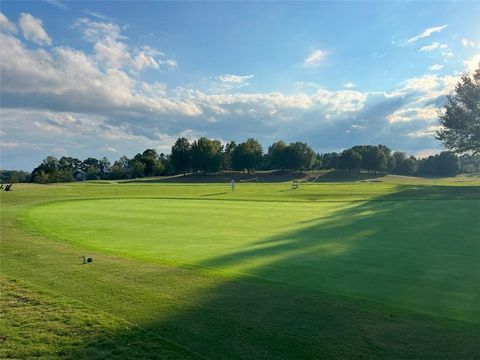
460	120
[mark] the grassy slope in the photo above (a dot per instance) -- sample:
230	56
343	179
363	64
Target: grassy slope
217	315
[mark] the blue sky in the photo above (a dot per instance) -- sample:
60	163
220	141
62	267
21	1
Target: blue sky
101	78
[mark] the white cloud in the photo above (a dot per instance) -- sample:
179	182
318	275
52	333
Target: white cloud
110	48
7	25
315	57
467	43
85	100
433	46
435	67
427	33
472	63
349	85
427	132
32	29
414	114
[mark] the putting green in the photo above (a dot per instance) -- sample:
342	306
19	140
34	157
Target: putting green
405	253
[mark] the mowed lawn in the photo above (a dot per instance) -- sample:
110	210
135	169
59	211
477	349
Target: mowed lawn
351	270
421	255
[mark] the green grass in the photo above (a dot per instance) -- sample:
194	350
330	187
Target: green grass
337	270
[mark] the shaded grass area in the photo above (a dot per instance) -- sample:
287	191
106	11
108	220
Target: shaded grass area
38	324
218	314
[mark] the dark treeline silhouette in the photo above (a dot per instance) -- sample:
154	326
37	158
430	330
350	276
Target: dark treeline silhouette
210	156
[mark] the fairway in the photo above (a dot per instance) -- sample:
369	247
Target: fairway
402	252
383	269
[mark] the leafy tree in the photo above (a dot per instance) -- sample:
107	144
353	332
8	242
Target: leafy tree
460	121
149	158
227	155
181	156
137	168
14	176
330	160
299	156
275	155
447	164
427	166
104	166
91	173
247	155
206	155
350	160
398	157
407	166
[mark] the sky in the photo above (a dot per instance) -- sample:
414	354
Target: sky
104	78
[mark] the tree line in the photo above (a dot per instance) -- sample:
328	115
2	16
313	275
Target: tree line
211	156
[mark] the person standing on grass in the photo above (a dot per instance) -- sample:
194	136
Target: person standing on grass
232	185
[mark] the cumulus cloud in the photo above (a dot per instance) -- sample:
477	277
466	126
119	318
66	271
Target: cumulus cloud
433	46
69	80
315	58
472	64
109	46
7	25
349	85
62	97
32	29
427	33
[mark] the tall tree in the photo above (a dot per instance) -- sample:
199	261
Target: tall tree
181	155
276	154
206	155
247	155
350	160
299	156
460	120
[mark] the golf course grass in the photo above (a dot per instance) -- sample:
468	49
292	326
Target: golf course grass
333	270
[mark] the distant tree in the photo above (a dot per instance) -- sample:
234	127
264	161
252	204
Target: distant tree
330	160
137	168
299	156
69	163
407	167
227	155
427	166
104	166
317	164
247	155
90	162
469	163
206	155
275	155
374	158
447	164
350	160
181	156
14	176
91	173
398	157
149	158
117	172
460	120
